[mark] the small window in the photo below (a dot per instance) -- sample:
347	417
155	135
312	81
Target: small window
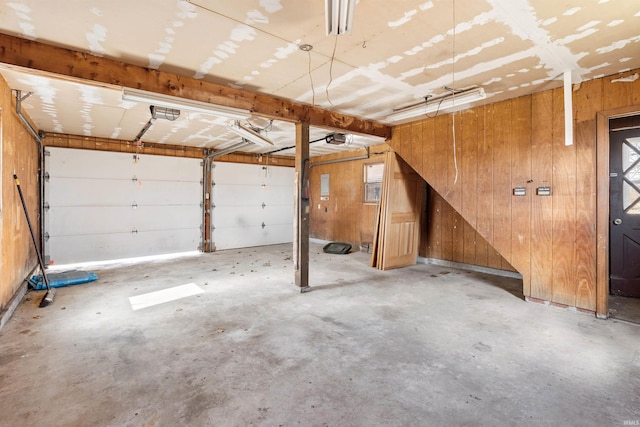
373	182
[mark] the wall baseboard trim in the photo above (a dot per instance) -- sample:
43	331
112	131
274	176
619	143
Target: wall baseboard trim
471	267
6	314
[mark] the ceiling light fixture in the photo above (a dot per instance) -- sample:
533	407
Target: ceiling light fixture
165	113
339	16
249	134
157	99
430	105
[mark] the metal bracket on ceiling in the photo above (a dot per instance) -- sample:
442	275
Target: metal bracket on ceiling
165	113
22	98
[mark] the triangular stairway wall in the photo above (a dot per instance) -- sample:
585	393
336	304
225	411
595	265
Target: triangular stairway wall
550	240
446	235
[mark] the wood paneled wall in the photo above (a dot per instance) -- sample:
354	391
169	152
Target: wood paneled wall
20	156
550	240
343	217
441	223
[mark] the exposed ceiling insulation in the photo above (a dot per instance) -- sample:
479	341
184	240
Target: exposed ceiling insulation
398	53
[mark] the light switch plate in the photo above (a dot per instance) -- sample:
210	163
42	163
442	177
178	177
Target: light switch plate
543	191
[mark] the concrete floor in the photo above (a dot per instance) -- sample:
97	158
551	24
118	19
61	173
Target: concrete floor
424	345
624	308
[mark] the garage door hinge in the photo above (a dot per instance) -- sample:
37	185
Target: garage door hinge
46	237
47	153
134	205
134	231
46	206
201	182
263	205
213	206
134	179
264	225
47	176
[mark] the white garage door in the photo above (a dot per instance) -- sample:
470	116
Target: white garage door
253	205
104	205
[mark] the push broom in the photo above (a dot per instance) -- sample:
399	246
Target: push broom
48	297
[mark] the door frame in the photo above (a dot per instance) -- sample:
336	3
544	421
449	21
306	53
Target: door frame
602	204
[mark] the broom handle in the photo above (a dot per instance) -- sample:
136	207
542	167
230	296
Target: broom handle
33	237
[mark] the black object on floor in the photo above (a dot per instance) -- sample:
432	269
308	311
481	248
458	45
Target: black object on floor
337	248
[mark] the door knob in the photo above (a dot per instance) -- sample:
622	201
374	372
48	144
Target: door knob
617	221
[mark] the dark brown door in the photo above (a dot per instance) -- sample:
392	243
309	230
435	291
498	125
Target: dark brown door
625	209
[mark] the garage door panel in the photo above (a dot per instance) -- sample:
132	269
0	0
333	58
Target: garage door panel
278	215
90	192
166	193
73	249
99	212
238	195
280	176
235	216
78	220
278	233
159	167
85	164
239	174
166	217
279	195
82	220
234	237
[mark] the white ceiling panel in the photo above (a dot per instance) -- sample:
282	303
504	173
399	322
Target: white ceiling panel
398	53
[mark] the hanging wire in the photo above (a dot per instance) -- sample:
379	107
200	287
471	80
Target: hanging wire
313	91
333	57
426	103
453	78
455	154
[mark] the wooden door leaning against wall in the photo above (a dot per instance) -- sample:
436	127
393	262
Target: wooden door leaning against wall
398	220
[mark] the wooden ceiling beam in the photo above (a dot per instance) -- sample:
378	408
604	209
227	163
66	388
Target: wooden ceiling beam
86	67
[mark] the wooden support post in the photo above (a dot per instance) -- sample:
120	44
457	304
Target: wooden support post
207	166
301	219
